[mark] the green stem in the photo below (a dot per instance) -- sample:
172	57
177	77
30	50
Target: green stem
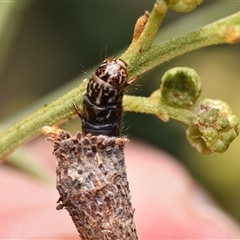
226	30
153	105
55	113
146	38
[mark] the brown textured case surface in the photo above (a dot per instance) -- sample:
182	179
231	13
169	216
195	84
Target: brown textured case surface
93	186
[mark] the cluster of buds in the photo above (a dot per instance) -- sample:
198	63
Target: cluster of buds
216	127
212	125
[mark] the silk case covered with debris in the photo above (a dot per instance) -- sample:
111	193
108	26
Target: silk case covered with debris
93	186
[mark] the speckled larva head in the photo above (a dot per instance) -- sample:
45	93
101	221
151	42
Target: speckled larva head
114	72
106	86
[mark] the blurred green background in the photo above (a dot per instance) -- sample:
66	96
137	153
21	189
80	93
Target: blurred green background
46	45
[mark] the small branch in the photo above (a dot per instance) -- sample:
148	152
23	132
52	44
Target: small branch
226	30
57	112
145	31
153	105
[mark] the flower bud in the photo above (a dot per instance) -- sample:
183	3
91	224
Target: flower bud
181	87
216	127
183	5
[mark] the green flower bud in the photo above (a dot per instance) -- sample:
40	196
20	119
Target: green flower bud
183	5
181	87
216	127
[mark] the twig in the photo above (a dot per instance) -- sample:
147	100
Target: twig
223	31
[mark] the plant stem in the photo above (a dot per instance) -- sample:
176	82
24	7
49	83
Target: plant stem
153	105
55	113
226	30
146	35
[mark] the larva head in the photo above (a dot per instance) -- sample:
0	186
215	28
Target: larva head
113	72
106	86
